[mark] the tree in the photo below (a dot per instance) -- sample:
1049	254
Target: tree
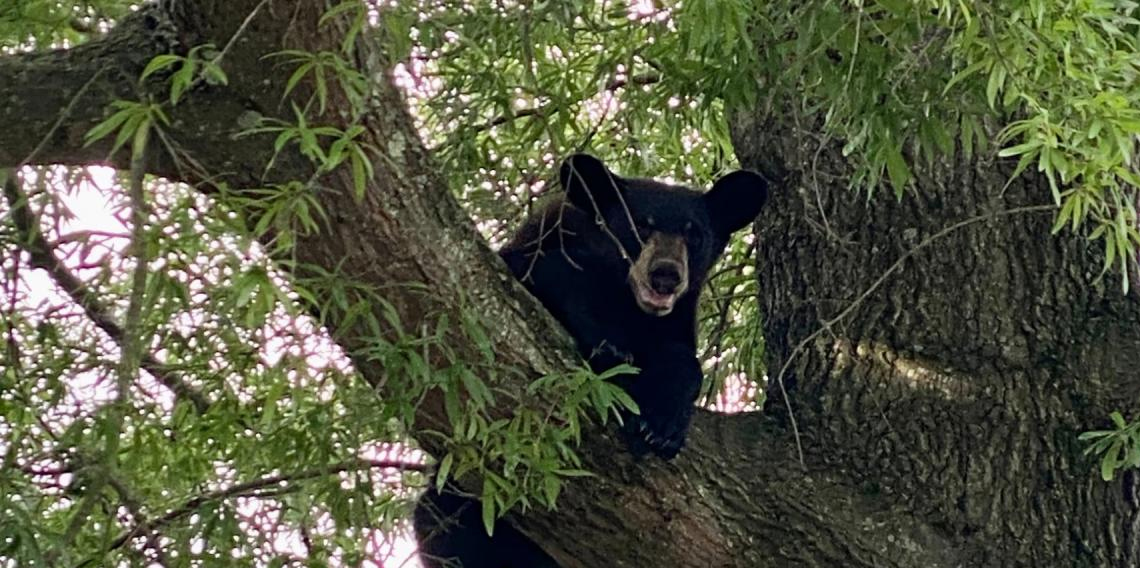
933	358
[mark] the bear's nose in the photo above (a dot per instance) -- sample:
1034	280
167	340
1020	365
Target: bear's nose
664	278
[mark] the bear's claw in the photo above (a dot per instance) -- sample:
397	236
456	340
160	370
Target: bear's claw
664	441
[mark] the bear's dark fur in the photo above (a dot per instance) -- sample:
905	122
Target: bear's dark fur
620	262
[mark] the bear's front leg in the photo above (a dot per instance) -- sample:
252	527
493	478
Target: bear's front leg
664	390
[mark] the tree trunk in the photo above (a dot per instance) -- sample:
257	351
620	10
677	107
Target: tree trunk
938	419
956	388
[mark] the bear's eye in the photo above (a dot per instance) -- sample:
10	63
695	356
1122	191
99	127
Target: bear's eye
644	227
693	233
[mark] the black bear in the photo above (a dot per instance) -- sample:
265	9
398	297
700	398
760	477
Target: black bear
620	262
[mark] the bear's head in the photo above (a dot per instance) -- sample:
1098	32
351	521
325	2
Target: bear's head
669	235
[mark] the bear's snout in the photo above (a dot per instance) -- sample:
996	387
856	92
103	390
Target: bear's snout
665	277
661	273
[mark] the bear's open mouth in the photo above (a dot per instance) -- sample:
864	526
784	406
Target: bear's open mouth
653	302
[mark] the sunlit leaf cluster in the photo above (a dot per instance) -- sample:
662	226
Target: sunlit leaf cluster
273	399
908	83
31	24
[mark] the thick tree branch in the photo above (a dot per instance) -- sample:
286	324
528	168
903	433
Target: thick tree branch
50	100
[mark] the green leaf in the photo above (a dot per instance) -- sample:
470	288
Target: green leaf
441	475
1124	143
1118	420
296	78
898	170
1108	462
101	130
345	7
359	175
269	406
624	400
181	80
1020	148
552	486
1095	434
488	509
158	63
214	74
965	73
967	137
993	86
133	123
1064	215
574	473
618	370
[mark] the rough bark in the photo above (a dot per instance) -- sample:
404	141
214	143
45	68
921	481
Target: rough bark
938	419
956	389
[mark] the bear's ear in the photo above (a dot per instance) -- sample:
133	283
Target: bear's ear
588	182
735	200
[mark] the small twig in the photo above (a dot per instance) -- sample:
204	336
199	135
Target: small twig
546	110
131	352
640	80
134	506
83	235
725	301
12	356
241	489
83	510
597	211
241	29
818	198
63	116
131	347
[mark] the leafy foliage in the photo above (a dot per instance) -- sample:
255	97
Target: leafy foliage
912	82
1118	448
201	61
272	408
248	422
40	23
